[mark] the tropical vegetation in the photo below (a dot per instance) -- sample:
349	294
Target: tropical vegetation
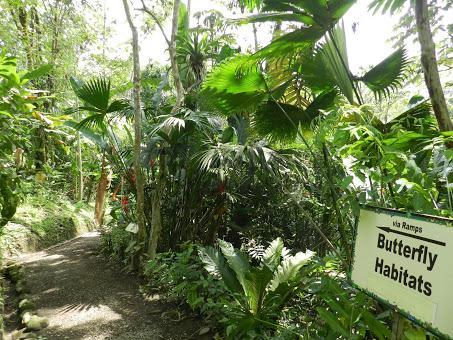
200	170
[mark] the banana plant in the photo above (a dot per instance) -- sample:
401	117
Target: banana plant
260	291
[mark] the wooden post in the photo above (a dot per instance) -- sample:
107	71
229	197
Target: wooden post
398	326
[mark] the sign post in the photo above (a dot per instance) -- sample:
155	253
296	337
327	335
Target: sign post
406	261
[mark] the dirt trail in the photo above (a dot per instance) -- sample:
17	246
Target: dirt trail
85	297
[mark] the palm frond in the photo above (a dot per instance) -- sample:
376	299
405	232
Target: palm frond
264	17
88	133
290	43
323	101
118	106
96	93
221	157
91	122
231	89
388	75
269	121
386	5
335	58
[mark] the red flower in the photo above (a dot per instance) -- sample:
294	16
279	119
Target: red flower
125	204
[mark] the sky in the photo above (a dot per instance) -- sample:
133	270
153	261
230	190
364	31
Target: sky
367	46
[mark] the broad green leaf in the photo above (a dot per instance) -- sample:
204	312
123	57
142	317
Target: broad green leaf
273	254
376	327
255	284
236	260
215	262
39	72
289	268
332	321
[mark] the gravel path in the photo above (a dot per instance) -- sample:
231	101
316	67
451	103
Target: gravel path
85	297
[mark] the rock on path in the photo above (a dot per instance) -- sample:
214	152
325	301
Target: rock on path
84	297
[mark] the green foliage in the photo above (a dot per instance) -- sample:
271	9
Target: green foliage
387	75
261	291
17	117
347	312
96	95
386	5
44	218
180	275
9	198
318	17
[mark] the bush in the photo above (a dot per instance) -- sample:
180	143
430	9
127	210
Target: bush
180	275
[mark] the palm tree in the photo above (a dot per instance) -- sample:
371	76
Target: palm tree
96	97
171	140
289	83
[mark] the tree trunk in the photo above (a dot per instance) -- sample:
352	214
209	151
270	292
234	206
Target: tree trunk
429	64
79	169
156	217
173	60
189	9
255	37
100	194
139	184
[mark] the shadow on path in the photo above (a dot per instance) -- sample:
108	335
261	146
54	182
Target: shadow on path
86	297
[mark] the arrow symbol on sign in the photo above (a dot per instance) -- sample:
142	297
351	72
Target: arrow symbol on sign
390	230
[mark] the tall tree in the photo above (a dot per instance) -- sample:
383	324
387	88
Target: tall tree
428	57
429	64
139	183
156	217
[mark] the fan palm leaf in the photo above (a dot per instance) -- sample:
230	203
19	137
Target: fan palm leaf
388	75
96	93
386	5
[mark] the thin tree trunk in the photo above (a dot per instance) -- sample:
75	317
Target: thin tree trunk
139	184
156	216
255	37
189	9
79	169
100	194
173	59
429	64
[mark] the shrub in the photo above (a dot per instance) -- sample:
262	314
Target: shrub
180	275
260	291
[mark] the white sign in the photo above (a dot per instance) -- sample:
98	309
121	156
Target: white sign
408	262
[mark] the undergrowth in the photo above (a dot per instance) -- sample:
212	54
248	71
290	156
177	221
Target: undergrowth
181	276
43	219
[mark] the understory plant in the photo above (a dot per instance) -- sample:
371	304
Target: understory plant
181	276
260	291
